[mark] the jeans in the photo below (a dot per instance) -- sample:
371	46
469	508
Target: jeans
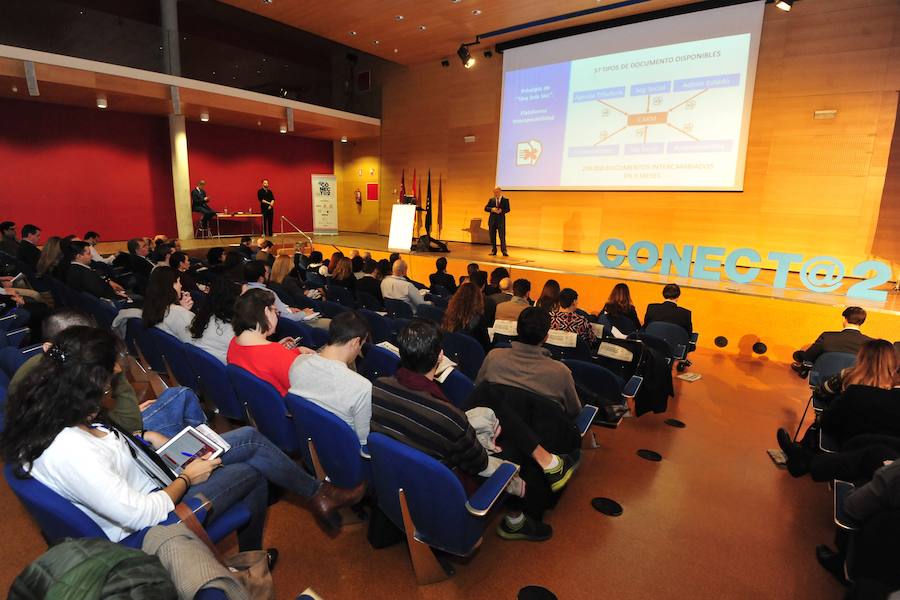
175	409
248	465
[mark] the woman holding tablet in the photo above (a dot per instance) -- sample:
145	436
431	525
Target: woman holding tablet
55	432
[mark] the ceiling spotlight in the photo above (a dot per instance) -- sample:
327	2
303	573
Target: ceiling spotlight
15	89
476	12
784	5
445	63
352	33
488	54
283	129
344	139
398	17
467	59
259	123
267	1
101	101
423	27
204	116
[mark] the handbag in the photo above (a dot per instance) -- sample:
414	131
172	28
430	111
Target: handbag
250	568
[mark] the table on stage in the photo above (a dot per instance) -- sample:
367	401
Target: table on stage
238	216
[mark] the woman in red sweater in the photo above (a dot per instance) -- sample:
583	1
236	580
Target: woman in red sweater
255	318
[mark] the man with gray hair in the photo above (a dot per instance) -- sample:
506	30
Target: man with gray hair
397	287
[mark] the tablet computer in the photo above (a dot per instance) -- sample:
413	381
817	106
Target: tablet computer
186	446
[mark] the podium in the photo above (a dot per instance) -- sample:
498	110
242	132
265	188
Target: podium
403	220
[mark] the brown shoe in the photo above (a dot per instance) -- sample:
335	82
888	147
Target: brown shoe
330	498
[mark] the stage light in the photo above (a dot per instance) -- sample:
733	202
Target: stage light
283	129
784	5
344	139
488	54
204	116
465	56
101	101
445	63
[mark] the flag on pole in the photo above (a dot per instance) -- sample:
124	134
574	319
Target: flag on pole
428	206
440	209
402	184
414	194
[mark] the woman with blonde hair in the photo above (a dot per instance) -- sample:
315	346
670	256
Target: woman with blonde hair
50	257
876	366
620	309
343	274
280	275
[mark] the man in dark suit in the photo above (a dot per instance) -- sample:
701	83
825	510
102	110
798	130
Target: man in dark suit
669	311
29	253
266	206
81	277
442	277
848	340
497	206
200	204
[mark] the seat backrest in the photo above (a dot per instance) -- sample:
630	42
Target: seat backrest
381	329
10	360
595	378
214	383
102	311
311	337
465	351
430	311
175	356
57	517
828	364
398	308
340	294
378	362
581	351
622	357
336	444
434	495
457	387
147	344
266	406
674	335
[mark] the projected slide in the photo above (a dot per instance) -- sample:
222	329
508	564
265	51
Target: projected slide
659	117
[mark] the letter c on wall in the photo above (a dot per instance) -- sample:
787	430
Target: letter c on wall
731	265
603	252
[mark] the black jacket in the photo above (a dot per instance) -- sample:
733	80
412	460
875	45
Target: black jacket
198	198
85	279
445	279
862	409
669	312
371	286
29	254
847	340
497	217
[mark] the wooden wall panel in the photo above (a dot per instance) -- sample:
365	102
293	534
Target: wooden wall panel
811	185
353	165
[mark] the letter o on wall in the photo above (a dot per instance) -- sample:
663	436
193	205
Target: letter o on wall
652	255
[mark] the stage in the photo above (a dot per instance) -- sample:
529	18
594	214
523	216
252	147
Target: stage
784	320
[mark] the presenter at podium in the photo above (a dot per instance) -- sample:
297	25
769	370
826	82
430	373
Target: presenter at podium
266	206
497	206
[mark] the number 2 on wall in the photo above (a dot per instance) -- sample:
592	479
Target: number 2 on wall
864	289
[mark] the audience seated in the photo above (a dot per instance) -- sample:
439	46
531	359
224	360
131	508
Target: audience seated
566	319
266	252
93	238
281	276
872	368
166	305
51	256
471	269
509	311
465	314
369	283
849	339
256	274
211	328
29	253
343	274
398	287
80	276
63	440
245	248
8	241
255	319
442	277
528	366
168	414
139	251
549	298
503	294
668	311
315	262
357	263
324	378
333	263
497	275
620	309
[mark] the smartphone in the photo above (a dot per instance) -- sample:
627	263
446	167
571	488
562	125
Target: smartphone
632	387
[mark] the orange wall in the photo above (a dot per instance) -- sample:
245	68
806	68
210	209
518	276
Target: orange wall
811	186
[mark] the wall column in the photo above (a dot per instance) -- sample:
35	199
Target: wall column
171	48
181	181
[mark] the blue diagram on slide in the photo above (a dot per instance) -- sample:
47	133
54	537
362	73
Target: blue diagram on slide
669	116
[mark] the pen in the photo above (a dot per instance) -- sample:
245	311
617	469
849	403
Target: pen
189	455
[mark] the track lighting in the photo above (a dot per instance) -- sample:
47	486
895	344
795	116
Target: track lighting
784	5
465	56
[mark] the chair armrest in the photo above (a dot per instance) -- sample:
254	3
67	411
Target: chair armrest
583	421
827	443
484	498
842	489
364	452
694	337
807	364
680	351
818	404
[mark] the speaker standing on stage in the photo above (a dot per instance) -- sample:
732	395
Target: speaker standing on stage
498	206
200	204
267	206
